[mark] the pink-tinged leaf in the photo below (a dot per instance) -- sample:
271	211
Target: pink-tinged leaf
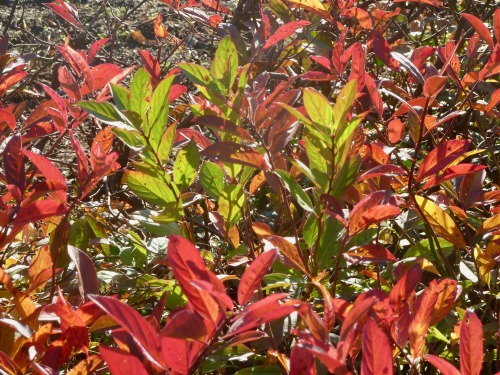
435	3
235	153
151	64
60	103
96	47
317	76
447	294
120	361
53	176
377	351
399	295
187	325
375	97
358	311
383	51
78	63
301	362
441	157
82	161
445	367
481	29
141	331
88	283
284	32
471	344
328	306
101	75
39	210
288	252
396	130
323	351
370	253
176	91
382	170
452	172
433	85
188	266
7	118
373	215
68	83
420	322
13	162
223	125
66	11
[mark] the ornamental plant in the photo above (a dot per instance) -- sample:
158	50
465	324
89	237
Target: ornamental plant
319	197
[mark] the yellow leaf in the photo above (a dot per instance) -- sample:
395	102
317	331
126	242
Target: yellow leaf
489	224
314	6
485	260
441	222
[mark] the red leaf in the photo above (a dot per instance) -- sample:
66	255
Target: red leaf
176	91
187	266
373	215
180	354
433	85
288	252
39	210
370	253
7	118
355	314
141	331
88	283
13	161
223	125
357	65
399	295
184	135
48	169
452	172
101	75
82	161
373	199
72	325
396	130
301	362
66	11
481	29
445	367
328	306
96	47
434	3
68	83
151	64
186	324
372	88
471	344
235	153
77	63
421	320
383	51
120	361
377	351
496	24
284	32
441	156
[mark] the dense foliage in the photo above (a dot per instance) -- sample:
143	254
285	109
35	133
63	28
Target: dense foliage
320	197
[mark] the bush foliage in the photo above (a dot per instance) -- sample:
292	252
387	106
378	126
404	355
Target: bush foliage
322	196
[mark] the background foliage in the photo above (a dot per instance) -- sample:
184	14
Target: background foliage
319	193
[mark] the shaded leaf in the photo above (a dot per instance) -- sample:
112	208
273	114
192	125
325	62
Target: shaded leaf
88	283
370	253
235	153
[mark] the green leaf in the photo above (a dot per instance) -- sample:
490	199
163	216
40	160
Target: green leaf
108	114
121	96
131	137
186	166
343	104
330	242
320	157
298	194
166	143
225	63
212	179
345	176
150	188
319	109
158	114
200	75
140	92
231	204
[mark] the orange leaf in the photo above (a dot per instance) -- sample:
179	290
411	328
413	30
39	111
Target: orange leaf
377	350
421	320
253	275
471	344
160	30
481	29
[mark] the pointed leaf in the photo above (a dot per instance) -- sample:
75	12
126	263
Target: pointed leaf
298	194
445	367
399	295
88	283
421	320
141	331
408	65
471	344
253	275
433	85
377	351
223	125
120	361
441	157
284	32
235	153
370	253
441	222
481	29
